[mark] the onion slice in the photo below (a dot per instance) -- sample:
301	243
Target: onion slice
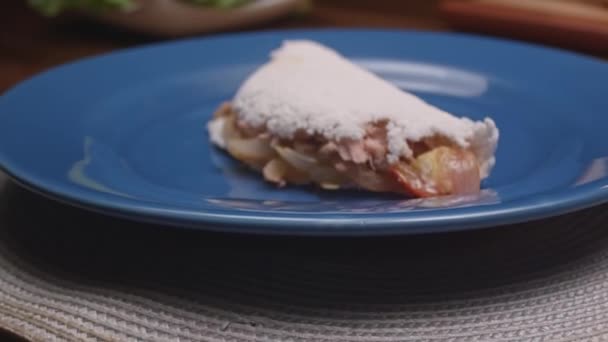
298	160
275	171
251	150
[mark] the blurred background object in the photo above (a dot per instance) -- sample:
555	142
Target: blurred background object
31	42
38	34
54	7
574	24
175	17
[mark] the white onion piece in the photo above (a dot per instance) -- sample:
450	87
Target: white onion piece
329	186
215	128
298	160
250	150
275	171
304	163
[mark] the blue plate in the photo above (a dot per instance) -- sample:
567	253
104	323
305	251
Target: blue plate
124	133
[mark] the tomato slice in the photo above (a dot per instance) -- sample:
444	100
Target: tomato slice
411	182
441	171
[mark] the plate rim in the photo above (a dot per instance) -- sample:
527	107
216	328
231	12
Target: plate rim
535	207
518	211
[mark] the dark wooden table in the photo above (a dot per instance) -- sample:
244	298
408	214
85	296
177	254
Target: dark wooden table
30	43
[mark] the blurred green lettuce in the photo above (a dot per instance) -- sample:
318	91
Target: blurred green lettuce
54	7
219	3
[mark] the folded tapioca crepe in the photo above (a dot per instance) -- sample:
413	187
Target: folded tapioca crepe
311	116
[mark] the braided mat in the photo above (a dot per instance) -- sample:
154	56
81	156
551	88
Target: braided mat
66	274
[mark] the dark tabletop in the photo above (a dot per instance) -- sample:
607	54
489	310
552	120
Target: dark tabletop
30	43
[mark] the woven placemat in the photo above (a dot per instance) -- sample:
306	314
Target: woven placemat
67	274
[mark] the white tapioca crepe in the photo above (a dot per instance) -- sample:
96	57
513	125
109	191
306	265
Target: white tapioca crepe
307	87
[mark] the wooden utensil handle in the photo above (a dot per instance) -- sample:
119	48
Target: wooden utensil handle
586	9
546	21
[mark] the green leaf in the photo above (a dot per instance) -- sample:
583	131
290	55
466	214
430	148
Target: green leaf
219	3
54	7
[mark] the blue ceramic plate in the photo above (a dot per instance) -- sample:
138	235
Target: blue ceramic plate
124	133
